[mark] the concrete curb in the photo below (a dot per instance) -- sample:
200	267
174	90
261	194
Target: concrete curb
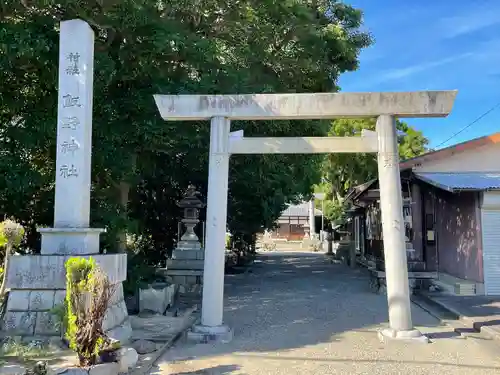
466	322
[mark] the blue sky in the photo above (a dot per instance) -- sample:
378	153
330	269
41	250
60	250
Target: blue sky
435	45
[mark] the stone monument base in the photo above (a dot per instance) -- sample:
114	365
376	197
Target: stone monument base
187	281
204	334
186	268
413	335
70	240
37	285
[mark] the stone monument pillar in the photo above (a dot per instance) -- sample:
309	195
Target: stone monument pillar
186	266
38	282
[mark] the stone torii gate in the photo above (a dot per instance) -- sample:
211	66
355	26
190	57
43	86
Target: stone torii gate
221	109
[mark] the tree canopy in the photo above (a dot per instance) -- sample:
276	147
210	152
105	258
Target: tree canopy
341	172
141	164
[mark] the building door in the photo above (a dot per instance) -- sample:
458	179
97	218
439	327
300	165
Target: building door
490	229
430	245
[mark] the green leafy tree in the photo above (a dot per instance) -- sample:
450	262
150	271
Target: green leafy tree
344	171
142	164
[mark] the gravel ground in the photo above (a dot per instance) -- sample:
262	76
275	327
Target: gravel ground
299	314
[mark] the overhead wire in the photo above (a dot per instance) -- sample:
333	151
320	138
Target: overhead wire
469	125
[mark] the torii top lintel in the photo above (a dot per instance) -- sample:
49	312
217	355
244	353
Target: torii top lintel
305	106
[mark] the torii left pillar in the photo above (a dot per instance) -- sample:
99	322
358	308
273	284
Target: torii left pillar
212	327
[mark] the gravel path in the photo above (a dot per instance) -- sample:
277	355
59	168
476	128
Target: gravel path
298	314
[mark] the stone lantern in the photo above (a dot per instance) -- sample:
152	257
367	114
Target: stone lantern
191	206
185	268
306	240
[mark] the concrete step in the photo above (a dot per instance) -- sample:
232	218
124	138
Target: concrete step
461	324
433	308
454	286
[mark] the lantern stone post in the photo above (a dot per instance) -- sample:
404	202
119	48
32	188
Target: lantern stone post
185	268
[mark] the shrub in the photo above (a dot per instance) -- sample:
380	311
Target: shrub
61	314
11	233
11	236
88	293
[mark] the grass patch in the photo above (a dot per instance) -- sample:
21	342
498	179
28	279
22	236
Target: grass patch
14	351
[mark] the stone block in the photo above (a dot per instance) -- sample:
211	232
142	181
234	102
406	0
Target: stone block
36	272
188	245
127	359
73	371
115	316
12	370
144	346
47	324
118	295
20	323
111	368
70	241
59	297
184	273
109	320
185	264
48	271
188	254
121	311
156	299
19	300
113	265
122	333
41	300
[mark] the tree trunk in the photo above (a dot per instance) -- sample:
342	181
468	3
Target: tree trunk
124	189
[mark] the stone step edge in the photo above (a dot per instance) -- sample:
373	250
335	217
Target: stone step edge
428	304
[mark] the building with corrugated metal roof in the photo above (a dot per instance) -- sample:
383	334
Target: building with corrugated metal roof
451	211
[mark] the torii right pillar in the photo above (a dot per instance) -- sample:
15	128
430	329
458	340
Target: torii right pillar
391	202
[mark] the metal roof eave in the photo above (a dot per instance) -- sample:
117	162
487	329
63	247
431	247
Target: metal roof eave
450	188
434	183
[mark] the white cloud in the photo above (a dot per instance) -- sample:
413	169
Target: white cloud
418	68
454	26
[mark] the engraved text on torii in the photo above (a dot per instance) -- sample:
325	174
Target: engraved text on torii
69	122
388	159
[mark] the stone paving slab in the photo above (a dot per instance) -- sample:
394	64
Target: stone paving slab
161	327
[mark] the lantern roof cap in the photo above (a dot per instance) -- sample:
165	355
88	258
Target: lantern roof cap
190	199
